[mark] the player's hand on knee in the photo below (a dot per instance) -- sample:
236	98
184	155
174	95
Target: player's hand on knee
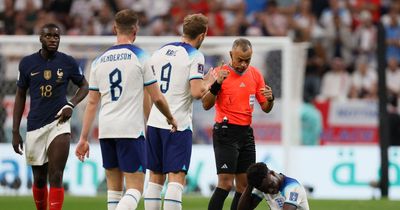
82	150
174	124
65	113
17	143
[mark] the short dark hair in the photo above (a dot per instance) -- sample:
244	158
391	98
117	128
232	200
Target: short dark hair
256	174
194	25
126	20
243	43
49	25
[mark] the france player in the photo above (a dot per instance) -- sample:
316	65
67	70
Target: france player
281	192
117	79
179	67
46	74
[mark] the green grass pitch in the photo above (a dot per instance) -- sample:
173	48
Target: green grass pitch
195	203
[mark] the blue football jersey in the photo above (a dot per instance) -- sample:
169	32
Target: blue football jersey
47	81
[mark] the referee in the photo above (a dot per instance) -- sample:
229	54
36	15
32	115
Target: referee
236	88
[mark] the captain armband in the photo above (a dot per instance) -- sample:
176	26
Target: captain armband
215	88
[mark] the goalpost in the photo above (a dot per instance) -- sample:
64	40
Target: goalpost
281	61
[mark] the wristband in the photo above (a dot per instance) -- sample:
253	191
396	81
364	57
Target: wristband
273	98
69	103
215	88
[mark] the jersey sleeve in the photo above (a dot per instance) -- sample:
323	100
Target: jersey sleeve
76	72
23	77
93	85
197	66
149	76
260	84
292	194
257	193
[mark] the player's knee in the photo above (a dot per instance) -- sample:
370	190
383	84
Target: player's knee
55	178
40	182
225	183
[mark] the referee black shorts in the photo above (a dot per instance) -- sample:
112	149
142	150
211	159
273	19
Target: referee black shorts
234	148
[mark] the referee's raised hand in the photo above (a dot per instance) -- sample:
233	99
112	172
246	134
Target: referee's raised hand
267	92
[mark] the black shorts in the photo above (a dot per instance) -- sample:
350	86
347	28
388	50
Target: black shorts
234	148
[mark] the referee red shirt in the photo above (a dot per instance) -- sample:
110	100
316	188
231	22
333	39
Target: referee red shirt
237	96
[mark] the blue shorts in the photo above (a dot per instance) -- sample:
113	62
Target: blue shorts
127	154
168	152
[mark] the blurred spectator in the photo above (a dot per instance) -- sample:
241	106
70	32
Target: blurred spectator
306	23
393	13
394	121
60	9
336	82
233	12
311	123
7	17
357	6
253	7
216	20
365	37
393	77
86	9
336	7
392	33
154	9
315	67
103	24
30	10
363	81
338	40
275	23
76	27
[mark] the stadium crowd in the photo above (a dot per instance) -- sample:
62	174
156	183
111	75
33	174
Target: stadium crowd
342	33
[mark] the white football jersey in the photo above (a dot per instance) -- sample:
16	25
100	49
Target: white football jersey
120	75
174	65
292	192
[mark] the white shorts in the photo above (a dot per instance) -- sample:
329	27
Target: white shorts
38	141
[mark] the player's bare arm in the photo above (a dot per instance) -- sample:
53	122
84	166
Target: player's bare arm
208	99
267	92
160	102
66	112
247	201
287	206
19	106
147	104
82	148
197	88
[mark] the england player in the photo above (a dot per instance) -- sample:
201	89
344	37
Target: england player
280	192
118	78
179	67
46	74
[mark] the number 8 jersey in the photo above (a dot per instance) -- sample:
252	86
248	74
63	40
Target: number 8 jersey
174	65
119	74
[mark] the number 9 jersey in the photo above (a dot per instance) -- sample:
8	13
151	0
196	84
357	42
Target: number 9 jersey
174	65
47	80
119	74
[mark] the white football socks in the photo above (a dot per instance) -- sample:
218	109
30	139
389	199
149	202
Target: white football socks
130	200
113	198
152	197
173	196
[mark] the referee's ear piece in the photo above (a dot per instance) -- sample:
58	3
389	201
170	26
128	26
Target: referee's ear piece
230	54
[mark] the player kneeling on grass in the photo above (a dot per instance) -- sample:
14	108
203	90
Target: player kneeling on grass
280	192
